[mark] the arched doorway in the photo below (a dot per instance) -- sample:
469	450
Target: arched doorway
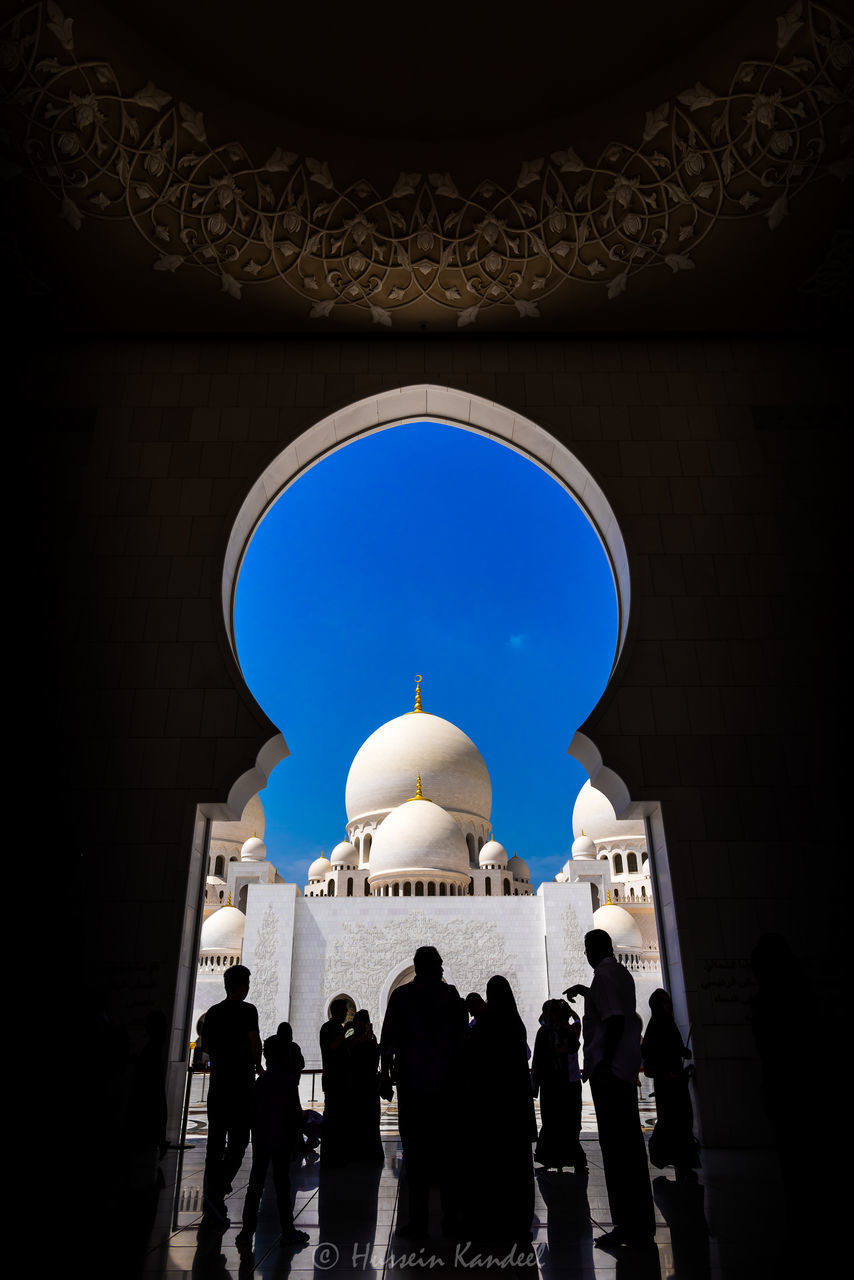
406	975
456	410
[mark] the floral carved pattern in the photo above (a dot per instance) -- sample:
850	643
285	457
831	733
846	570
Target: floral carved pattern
265	978
575	965
705	157
364	957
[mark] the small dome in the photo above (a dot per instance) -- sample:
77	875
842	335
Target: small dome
583	847
223	930
253	850
493	854
419	836
593	814
319	868
519	867
619	925
344	853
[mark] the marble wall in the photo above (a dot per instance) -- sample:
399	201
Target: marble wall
306	951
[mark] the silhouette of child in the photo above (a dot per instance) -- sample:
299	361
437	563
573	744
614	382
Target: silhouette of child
276	1123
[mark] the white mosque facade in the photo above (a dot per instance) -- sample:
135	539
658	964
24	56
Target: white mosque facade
420	865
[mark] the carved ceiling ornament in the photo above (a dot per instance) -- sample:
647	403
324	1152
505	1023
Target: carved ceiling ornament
703	158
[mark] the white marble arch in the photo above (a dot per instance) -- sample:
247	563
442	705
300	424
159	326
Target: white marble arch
438	404
400	974
378	413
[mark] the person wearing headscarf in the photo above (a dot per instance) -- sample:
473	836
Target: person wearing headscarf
363	1056
556	1076
663	1055
501	1206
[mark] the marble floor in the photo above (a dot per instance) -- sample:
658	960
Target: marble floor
728	1225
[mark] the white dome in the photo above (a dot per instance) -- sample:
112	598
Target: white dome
344	852
593	816
583	847
223	930
319	868
253	850
493	854
452	770
519	867
419	836
619	925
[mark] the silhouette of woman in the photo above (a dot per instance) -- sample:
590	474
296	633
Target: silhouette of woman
664	1055
555	1073
502	1205
363	1056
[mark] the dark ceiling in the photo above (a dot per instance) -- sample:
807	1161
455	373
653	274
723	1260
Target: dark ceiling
476	166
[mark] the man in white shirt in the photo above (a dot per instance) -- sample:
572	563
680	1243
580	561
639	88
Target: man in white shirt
612	1033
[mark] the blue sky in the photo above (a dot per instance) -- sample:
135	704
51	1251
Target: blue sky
426	549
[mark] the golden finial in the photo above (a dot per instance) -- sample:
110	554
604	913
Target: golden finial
228	904
609	902
418	706
419	794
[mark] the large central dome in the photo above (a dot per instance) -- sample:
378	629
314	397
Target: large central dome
452	770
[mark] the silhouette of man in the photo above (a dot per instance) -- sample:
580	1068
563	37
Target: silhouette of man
333	1057
612	1061
230	1036
420	1049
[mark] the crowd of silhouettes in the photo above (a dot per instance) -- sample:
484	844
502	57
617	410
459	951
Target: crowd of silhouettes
448	1060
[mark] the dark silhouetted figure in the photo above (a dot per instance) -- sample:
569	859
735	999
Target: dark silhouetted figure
292	1052
500	1204
333	1056
420	1050
663	1054
276	1121
475	1005
556	1076
363	1057
611	1063
230	1037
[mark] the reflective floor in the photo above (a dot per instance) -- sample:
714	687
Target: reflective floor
729	1224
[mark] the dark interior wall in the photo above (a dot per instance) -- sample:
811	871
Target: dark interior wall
722	461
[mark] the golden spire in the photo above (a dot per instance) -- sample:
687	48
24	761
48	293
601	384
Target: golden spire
418	706
609	903
228	904
419	794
